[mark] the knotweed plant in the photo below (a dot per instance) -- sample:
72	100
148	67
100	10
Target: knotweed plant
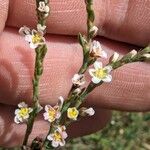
69	109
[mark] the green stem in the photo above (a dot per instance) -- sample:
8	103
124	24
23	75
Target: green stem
90	17
37	73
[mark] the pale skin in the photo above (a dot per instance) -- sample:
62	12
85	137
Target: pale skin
120	20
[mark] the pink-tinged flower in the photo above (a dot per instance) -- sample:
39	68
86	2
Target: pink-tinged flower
114	57
133	53
90	111
35	39
78	79
22	113
41	28
100	74
53	113
43	7
97	51
94	30
24	31
58	137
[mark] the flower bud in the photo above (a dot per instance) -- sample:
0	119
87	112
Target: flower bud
93	31
84	111
133	53
146	55
114	57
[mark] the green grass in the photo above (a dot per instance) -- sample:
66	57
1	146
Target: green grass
127	131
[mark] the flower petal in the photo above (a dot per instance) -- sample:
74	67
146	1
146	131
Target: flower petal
64	135
50	137
96	80
58	115
104	54
91	71
55	144
28	38
98	65
22	104
33	46
46	116
108	78
16	120
62	143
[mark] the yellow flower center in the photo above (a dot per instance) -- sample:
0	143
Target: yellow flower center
23	112
57	136
72	113
100	73
36	38
52	114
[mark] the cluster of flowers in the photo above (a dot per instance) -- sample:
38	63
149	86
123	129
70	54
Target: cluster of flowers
35	37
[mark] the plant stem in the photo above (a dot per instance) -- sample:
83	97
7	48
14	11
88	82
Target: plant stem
40	54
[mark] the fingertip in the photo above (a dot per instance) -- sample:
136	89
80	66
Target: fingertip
3	13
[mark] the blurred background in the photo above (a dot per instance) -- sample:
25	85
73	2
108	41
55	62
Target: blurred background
126	131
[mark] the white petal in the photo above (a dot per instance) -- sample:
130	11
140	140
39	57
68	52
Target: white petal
62	143
90	111
22	104
55	144
96	80
50	137
46	116
26	117
96	44
104	54
58	115
16	120
16	111
98	65
33	46
64	135
47	107
91	72
20	119
30	110
47	9
108	78
28	38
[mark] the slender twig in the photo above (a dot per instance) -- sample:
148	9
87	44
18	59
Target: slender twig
38	71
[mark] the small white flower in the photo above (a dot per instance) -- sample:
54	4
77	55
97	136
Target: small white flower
78	80
53	113
24	31
133	53
41	28
96	50
100	74
35	39
114	57
94	30
58	137
22	114
43	7
146	55
72	113
90	111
